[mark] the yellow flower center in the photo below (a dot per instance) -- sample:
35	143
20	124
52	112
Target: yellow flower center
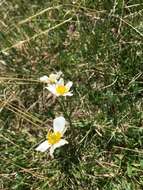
61	89
54	137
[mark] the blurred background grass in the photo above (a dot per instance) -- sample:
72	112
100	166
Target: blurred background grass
97	45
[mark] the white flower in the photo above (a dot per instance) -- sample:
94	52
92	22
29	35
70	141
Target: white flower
59	89
54	139
53	78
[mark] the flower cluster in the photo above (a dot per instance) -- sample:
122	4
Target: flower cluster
54	138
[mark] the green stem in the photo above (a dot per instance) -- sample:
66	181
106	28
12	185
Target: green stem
64	109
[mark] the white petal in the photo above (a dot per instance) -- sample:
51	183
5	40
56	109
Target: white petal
60	82
68	94
60	143
57	145
52	89
59	124
69	84
43	146
44	79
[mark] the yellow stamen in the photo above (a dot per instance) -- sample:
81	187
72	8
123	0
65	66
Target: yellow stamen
61	89
54	137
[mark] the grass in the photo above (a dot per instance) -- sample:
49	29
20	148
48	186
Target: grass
97	45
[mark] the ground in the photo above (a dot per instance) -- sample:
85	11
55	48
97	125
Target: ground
97	45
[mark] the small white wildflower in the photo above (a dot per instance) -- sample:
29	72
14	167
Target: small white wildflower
54	139
59	89
53	78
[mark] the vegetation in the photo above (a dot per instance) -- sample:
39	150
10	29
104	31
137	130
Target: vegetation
97	45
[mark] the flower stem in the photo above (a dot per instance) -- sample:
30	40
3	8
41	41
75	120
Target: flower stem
64	109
